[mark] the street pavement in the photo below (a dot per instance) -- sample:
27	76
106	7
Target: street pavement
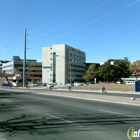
131	98
43	114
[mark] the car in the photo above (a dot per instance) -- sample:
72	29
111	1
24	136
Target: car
118	82
31	84
69	84
43	84
78	84
50	85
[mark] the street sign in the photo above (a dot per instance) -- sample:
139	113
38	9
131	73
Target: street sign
137	86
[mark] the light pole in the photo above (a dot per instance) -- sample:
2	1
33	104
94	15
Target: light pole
67	62
24	62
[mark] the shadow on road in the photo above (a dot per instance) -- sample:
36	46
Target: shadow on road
38	124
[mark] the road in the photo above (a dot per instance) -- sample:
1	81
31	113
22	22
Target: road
30	116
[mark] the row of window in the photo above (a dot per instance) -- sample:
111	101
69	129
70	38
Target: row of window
8	71
76	56
8	66
76	61
80	71
78	76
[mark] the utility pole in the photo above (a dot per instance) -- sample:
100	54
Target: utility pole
24	62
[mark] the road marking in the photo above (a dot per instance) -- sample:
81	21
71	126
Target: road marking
7	100
59	118
99	100
67	121
117	113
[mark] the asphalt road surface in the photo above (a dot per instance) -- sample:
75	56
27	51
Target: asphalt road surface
29	116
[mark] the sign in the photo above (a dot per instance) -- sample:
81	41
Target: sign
137	86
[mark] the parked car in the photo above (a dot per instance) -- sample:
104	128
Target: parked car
43	84
118	82
31	85
50	85
130	82
78	84
69	84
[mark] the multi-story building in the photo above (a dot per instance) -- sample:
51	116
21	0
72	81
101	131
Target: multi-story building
33	69
2	62
62	64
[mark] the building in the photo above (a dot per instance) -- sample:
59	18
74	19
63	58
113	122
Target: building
2	62
33	70
62	64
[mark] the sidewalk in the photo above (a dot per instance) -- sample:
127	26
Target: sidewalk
92	97
107	91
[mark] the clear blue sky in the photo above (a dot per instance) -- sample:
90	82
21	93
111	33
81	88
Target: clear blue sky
104	29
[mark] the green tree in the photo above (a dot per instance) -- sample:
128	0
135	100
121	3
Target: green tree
122	68
107	71
91	73
135	66
119	69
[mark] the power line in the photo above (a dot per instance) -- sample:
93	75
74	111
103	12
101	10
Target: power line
102	17
63	14
80	16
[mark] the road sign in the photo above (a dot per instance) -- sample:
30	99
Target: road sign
137	86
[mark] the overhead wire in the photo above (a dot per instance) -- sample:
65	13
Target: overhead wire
63	14
95	19
101	17
80	16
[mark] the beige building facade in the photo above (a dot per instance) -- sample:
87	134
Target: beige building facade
62	64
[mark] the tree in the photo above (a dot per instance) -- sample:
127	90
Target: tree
91	73
122	68
119	69
135	66
107	70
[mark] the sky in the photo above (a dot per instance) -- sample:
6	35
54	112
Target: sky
103	29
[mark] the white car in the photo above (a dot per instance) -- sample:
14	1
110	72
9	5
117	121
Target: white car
50	85
118	82
32	85
78	84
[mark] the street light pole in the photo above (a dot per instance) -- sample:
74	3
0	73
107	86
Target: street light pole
24	62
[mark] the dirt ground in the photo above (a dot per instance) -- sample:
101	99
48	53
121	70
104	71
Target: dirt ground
115	87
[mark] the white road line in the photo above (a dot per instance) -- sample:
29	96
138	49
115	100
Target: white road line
117	113
7	100
67	121
59	118
83	98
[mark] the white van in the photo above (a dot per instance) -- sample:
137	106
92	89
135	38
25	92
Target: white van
130	82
